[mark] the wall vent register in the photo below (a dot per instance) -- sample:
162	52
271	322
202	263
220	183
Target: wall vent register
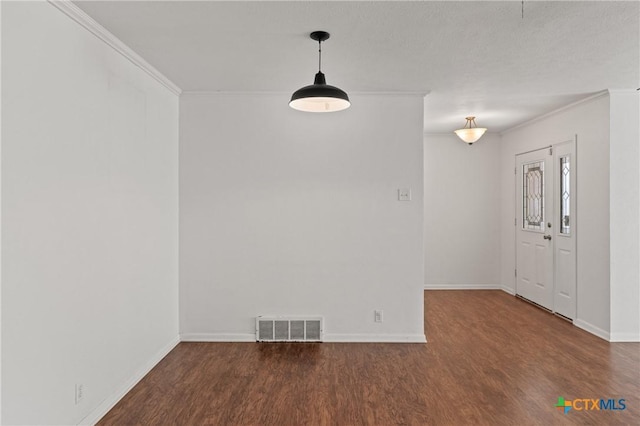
289	329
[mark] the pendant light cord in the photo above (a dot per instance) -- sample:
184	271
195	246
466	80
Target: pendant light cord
319	56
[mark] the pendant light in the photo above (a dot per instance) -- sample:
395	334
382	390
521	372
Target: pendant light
470	132
319	97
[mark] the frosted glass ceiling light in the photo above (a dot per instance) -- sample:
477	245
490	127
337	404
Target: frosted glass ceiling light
319	97
470	132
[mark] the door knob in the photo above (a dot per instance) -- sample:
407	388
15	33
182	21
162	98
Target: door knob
547	237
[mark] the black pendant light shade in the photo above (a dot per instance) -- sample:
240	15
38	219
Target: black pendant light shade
319	97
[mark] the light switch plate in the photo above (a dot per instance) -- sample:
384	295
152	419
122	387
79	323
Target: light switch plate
404	194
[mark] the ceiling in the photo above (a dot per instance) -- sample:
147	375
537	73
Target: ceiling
472	58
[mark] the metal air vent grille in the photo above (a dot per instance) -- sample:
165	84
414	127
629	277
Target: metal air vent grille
289	329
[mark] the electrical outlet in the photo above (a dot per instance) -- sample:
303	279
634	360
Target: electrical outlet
377	315
404	194
79	393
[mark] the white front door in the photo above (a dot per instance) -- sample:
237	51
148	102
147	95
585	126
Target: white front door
546	227
534	246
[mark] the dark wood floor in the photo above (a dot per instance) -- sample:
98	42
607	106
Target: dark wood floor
491	359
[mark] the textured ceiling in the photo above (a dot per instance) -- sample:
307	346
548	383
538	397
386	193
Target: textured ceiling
473	58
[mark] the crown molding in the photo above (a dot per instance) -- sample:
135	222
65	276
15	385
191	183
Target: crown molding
233	93
452	133
557	110
78	15
288	94
627	91
420	93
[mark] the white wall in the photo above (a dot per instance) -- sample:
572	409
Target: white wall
289	213
89	218
624	210
590	121
462	212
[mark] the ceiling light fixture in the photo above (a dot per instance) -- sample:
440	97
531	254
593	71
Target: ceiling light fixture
319	97
470	132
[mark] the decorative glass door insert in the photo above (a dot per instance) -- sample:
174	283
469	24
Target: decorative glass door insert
533	196
565	195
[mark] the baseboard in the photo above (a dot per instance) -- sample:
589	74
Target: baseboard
328	337
469	287
462	287
374	338
511	291
597	331
218	337
94	417
624	337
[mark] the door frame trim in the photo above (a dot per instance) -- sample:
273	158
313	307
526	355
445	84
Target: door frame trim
573	139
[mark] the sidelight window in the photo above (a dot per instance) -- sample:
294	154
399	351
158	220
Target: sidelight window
565	195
